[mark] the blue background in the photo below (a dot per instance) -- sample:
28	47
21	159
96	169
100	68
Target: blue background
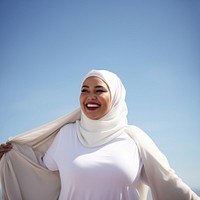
46	47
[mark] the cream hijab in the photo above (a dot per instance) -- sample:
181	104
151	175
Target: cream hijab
94	133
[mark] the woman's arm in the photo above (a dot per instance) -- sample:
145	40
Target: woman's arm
157	173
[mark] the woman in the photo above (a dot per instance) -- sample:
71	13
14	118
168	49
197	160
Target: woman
97	154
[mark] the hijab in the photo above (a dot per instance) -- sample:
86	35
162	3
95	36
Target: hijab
93	133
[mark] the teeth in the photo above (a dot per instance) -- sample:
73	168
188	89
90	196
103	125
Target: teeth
92	105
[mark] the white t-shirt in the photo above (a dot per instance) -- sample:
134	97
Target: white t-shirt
108	172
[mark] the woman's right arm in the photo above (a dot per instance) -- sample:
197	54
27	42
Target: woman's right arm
4	148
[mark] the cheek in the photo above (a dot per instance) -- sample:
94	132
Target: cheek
108	106
81	99
107	101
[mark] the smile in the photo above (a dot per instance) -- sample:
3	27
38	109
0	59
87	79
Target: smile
92	105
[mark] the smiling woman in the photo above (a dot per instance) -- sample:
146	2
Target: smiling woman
90	154
95	98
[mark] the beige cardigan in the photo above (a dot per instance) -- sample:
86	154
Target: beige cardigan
24	177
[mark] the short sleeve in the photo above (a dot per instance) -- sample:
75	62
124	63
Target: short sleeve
49	157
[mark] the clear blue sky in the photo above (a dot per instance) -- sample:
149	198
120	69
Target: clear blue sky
46	47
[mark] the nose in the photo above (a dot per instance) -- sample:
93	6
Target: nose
92	96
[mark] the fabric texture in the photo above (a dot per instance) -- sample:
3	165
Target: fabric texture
24	176
108	172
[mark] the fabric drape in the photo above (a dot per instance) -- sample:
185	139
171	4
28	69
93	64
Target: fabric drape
23	175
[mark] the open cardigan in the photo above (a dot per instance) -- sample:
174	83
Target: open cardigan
24	176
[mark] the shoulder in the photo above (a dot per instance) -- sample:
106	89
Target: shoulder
136	133
148	149
67	128
142	139
135	128
139	135
64	132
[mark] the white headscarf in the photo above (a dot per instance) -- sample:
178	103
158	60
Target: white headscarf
93	133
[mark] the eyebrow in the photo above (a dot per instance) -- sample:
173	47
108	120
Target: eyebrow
98	86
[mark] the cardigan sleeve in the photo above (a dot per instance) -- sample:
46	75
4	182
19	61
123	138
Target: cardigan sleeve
22	171
23	176
157	173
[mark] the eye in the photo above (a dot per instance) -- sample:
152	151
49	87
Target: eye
100	91
84	91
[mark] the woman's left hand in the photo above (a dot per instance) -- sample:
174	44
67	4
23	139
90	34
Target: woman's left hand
4	148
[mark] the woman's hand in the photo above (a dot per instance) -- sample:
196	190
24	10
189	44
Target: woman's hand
4	148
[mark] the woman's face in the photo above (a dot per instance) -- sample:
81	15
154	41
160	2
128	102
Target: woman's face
95	98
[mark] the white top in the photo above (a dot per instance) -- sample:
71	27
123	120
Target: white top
108	172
